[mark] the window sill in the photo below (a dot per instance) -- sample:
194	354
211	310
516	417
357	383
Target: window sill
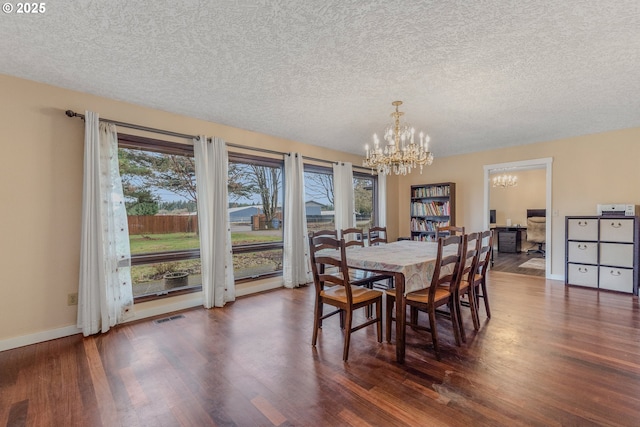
166	294
260	285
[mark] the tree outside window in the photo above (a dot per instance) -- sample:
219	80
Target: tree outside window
364	200
255	213
160	190
160	195
318	189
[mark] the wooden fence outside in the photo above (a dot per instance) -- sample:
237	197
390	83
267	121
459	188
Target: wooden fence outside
162	224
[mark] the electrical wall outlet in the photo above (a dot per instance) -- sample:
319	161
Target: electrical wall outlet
72	299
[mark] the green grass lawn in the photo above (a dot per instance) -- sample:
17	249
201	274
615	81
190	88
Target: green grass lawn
149	243
180	241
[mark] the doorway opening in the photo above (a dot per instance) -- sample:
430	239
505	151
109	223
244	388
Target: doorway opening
516	227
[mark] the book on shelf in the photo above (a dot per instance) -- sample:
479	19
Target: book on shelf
424	238
418	225
430	209
436	191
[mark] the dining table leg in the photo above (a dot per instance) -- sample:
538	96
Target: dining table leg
401	314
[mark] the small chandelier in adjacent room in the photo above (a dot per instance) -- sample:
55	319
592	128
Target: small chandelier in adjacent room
400	153
505	181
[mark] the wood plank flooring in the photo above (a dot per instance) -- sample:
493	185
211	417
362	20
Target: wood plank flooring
549	356
510	263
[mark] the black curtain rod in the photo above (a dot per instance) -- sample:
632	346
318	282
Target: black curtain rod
71	113
262	150
132	126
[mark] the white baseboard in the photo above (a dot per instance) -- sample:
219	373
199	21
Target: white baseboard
66	331
556	277
21	341
51	334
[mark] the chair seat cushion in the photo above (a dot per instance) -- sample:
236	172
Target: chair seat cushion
422	296
359	294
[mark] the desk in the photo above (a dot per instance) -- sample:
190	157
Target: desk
412	264
510	238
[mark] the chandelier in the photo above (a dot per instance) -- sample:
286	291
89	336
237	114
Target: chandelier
401	153
505	181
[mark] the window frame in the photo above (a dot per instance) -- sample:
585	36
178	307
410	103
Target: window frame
317	169
144	143
374	193
237	157
328	170
176	148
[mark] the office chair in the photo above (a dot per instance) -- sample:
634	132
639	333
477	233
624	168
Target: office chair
537	233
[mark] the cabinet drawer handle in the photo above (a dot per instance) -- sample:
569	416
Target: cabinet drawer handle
614	225
583	269
615	273
582	223
582	247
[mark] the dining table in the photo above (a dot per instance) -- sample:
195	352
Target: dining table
412	264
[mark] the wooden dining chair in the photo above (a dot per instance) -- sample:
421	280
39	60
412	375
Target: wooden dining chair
330	233
449	230
440	292
480	276
343	295
466	291
354	237
377	235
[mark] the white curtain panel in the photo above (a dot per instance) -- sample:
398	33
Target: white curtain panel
296	263
343	198
105	296
382	200
212	163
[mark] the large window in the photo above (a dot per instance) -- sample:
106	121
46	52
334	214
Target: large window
318	189
160	191
365	198
320	203
159	185
255	212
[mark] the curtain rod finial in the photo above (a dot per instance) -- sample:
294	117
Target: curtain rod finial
70	113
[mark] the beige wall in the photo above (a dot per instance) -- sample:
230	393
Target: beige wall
41	186
513	202
41	189
586	170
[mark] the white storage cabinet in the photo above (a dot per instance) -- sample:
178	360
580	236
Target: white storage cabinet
602	252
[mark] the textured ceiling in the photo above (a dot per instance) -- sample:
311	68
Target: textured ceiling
473	74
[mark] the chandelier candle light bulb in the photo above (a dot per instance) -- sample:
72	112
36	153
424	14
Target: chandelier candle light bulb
505	181
401	154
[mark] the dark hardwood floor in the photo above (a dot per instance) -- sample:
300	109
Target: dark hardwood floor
510	263
549	356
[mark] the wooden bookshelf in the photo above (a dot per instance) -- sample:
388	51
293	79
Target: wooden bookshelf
432	206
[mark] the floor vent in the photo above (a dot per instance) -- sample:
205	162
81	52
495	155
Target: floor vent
168	319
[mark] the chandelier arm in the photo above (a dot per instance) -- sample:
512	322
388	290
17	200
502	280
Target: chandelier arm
397	158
